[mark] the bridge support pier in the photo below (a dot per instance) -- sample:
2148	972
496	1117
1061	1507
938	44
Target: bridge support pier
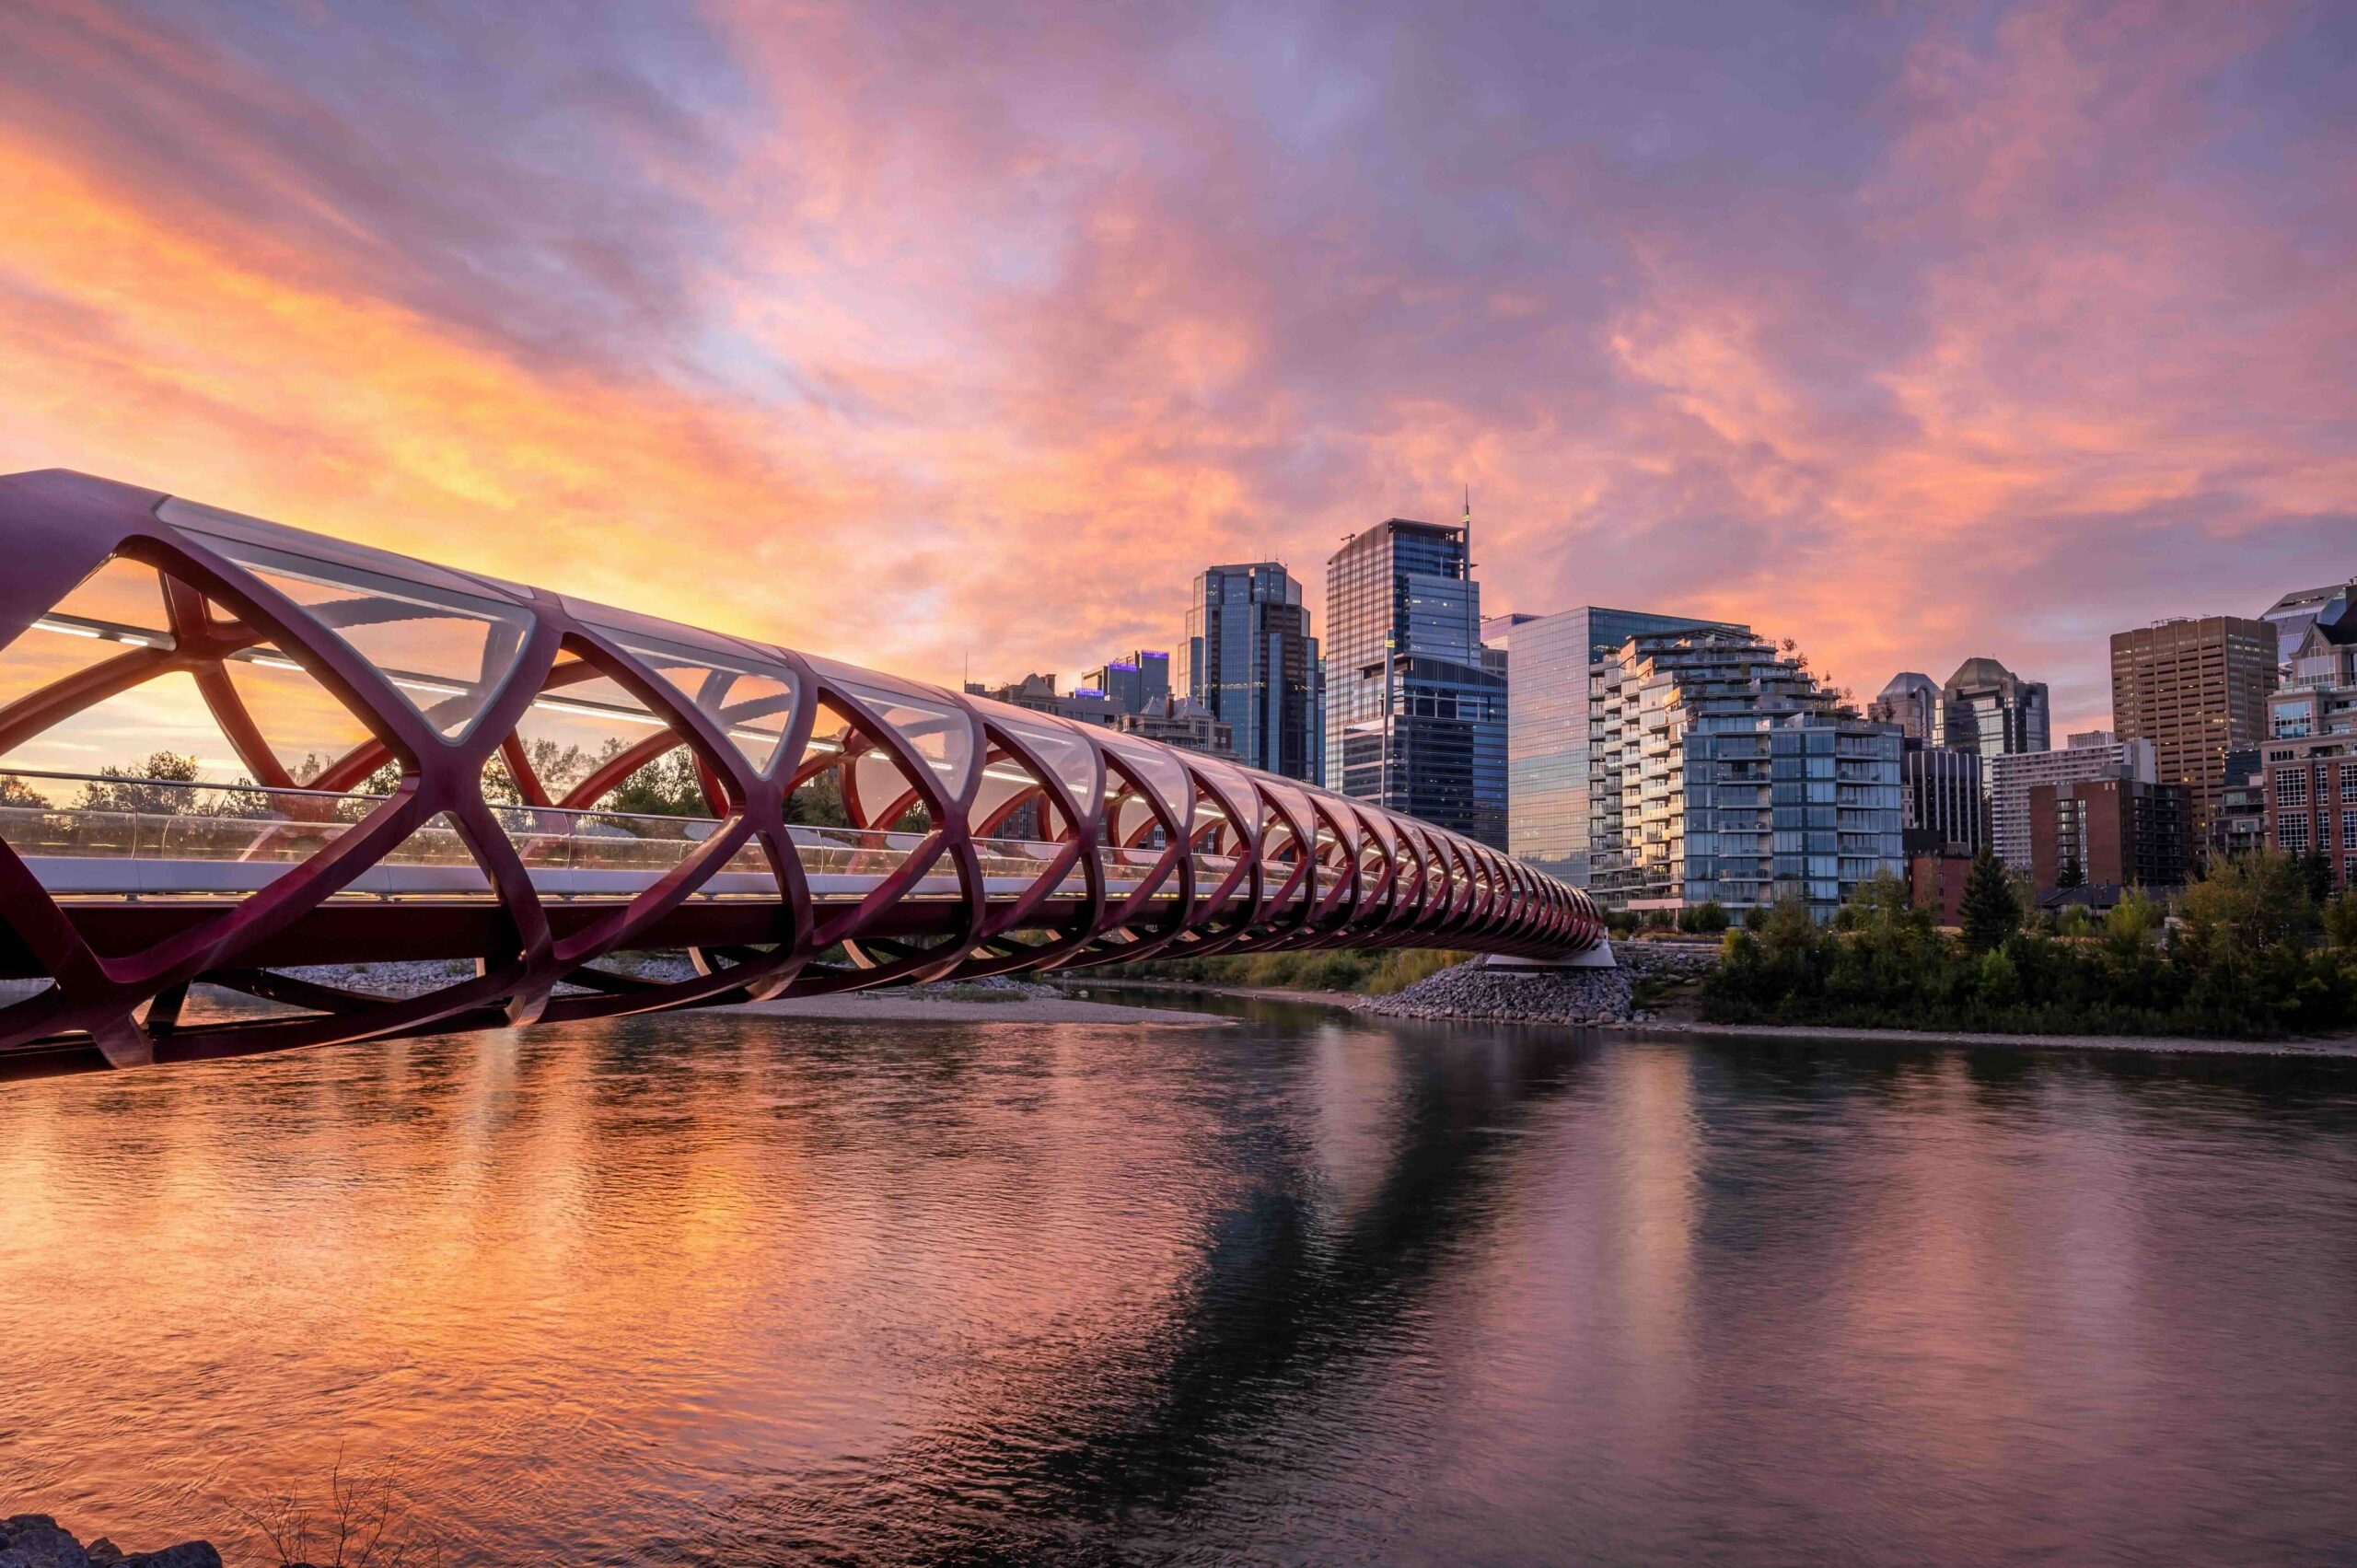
1597	957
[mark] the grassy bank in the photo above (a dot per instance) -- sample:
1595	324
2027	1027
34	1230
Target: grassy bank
1366	973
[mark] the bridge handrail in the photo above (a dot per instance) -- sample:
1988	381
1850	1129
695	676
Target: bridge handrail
545	837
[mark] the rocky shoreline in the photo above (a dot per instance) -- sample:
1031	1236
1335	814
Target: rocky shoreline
1473	992
34	1541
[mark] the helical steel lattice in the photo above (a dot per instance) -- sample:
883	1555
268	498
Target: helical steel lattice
846	827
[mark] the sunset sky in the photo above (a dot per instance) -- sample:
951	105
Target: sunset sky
924	335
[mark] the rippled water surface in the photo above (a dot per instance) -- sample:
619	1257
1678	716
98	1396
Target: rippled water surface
725	1289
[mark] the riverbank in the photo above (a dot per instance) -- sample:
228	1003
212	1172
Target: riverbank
1575	999
2343	1048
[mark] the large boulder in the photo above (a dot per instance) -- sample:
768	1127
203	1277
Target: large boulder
39	1545
188	1554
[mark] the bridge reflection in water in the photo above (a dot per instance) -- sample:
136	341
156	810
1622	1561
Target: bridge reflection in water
430	764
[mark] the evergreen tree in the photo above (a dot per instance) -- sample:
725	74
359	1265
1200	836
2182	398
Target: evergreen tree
1990	911
2315	869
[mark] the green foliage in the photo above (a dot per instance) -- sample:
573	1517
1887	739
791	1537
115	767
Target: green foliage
2341	920
1705	919
668	786
2240	964
1992	910
120	789
1378	973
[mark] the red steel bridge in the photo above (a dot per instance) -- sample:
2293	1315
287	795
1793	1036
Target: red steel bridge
388	759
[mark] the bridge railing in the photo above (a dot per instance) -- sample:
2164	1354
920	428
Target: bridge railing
153	823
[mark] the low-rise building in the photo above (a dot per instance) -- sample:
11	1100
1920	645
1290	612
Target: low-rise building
1175	721
2311	785
1039	694
2107	835
2309	758
2093	755
1935	879
2241	822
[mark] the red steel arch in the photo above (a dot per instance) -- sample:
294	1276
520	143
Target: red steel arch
1131	850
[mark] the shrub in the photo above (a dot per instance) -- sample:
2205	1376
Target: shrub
2240	965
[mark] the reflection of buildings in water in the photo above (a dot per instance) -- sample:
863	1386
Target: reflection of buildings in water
1352	1085
1657	1157
1287	1294
1028	1272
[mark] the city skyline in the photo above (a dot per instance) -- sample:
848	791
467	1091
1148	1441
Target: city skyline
1935	313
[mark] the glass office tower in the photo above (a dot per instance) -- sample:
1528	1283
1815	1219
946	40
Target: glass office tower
1413	719
1989	710
1250	662
1552	706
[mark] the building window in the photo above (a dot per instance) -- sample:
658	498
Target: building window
2349	829
2292	832
2292	788
2349	783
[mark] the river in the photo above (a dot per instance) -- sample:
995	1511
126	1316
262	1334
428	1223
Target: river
1306	1289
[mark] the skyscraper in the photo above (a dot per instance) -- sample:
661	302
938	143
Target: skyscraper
1986	708
1131	684
1910	701
1551	706
2292	615
1250	662
2197	690
1413	719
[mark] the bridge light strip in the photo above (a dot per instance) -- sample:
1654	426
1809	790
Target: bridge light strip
103	634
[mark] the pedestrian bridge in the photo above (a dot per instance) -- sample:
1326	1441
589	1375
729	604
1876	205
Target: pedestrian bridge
230	751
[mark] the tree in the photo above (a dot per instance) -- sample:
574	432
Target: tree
116	789
2341	919
1990	909
2243	910
2316	871
15	791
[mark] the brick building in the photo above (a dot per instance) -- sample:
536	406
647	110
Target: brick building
2114	833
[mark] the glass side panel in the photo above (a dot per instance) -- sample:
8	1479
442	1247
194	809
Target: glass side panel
306	726
935	728
1067	754
569	731
121	601
445	653
158	728
115	610
752	704
881	786
1161	771
1232	801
